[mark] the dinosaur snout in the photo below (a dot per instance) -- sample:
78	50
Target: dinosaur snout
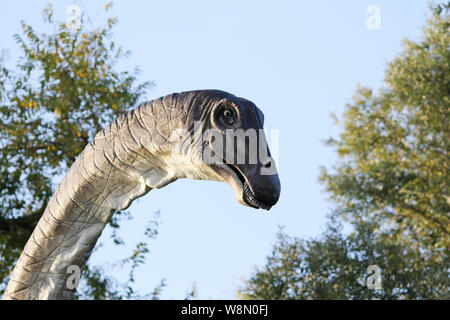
263	191
269	194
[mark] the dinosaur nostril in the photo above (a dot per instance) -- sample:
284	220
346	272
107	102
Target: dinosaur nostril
268	164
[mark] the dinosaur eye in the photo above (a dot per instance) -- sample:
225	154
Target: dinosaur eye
228	116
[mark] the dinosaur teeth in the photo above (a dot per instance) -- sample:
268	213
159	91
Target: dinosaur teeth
250	199
248	194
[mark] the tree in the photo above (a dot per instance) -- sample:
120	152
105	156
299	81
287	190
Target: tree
390	183
336	266
63	90
394	148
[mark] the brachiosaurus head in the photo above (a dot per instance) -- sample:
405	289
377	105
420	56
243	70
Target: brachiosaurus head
226	142
208	134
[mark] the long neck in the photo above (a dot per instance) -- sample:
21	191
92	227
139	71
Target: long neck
109	174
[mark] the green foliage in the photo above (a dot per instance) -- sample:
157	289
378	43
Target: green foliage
390	183
334	266
62	91
394	148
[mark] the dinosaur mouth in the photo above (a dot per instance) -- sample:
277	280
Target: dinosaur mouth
247	194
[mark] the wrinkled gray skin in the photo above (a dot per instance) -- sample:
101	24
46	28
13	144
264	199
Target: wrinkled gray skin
126	160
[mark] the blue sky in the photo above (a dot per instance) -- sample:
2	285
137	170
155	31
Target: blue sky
296	60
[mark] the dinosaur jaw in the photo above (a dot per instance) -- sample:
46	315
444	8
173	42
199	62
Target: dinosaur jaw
241	186
248	196
250	199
